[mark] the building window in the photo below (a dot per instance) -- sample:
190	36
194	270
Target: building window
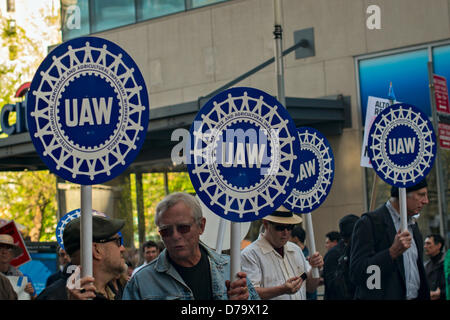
202	3
408	73
441	61
74	18
83	17
149	9
108	14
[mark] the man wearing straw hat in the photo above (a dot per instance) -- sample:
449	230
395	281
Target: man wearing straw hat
8	251
276	267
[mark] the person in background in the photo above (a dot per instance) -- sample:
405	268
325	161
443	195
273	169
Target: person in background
9	251
298	236
434	268
331	239
63	261
7	291
336	263
187	269
277	267
150	252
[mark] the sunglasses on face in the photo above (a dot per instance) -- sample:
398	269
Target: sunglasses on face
167	231
118	240
282	227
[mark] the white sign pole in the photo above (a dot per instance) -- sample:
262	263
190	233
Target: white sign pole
311	241
86	231
235	250
220	235
403	214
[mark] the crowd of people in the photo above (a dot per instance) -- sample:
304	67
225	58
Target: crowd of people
277	265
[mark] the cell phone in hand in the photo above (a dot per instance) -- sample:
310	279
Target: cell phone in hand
304	276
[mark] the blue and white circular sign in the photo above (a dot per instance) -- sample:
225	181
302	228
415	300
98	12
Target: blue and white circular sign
62	223
402	145
243	159
72	215
316	172
88	110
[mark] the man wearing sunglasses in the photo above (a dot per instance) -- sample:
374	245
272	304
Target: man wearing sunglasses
276	267
187	269
107	263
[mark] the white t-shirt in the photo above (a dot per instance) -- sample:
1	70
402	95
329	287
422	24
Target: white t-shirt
266	268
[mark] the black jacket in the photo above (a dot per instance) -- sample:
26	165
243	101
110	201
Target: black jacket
330	262
370	246
434	269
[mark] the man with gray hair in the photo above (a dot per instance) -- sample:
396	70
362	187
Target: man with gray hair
187	269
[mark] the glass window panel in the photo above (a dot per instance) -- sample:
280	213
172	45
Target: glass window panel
441	59
74	18
408	73
148	9
108	14
201	3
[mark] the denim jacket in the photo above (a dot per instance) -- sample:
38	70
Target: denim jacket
159	280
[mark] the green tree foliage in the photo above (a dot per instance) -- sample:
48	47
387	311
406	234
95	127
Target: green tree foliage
154	191
29	198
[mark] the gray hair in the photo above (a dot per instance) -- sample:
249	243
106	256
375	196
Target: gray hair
172	199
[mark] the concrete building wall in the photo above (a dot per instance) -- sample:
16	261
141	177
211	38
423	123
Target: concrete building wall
187	55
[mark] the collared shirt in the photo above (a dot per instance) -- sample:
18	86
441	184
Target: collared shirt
159	280
139	268
410	256
266	268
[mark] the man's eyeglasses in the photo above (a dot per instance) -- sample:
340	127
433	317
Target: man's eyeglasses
118	240
167	231
282	227
5	247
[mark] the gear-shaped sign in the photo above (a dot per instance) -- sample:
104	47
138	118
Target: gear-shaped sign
62	223
88	110
243	157
72	215
316	172
402	145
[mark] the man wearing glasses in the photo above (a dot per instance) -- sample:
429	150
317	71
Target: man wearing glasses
187	269
276	267
107	262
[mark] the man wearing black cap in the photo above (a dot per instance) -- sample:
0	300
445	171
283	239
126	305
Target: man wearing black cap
336	263
385	261
275	265
107	262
